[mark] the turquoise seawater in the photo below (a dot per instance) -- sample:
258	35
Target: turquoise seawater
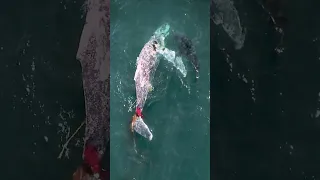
177	111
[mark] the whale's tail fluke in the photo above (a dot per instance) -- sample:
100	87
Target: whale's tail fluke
139	126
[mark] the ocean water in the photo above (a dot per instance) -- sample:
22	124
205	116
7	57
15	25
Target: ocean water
177	111
265	95
41	96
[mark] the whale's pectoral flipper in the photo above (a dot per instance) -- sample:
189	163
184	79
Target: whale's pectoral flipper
136	74
176	61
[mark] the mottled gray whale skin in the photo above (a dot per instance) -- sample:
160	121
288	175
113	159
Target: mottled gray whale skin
187	49
147	63
93	54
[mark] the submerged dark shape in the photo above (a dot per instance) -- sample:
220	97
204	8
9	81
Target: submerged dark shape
187	49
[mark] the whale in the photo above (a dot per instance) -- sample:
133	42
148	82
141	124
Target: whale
146	65
187	50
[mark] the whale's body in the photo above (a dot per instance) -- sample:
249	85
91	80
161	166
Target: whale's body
147	63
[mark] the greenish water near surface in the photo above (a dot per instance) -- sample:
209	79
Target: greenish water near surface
177	111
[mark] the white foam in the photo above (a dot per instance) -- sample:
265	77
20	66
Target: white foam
176	61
